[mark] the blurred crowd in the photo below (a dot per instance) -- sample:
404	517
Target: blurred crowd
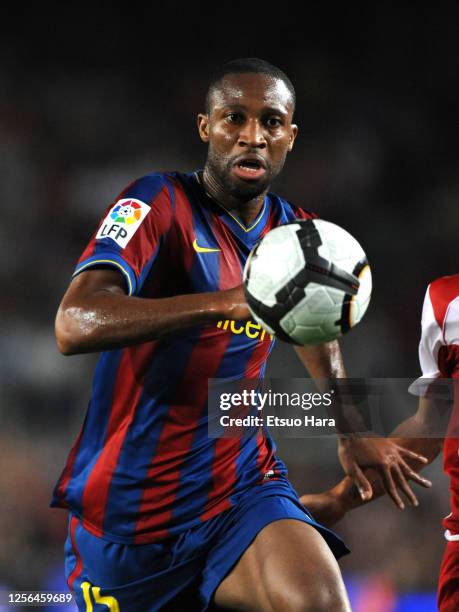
376	153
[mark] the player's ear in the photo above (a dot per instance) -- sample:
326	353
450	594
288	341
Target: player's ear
293	134
203	127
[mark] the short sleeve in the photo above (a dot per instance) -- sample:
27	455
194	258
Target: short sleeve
451	330
132	231
429	346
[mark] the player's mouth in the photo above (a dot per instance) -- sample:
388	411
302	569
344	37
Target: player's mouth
249	167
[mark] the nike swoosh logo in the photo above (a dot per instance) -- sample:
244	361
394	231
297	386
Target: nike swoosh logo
200	249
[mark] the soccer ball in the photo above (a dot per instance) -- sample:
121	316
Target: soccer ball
307	282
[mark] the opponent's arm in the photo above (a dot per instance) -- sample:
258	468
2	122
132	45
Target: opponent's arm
358	448
96	314
330	506
323	361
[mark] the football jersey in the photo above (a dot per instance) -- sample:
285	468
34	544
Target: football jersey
439	358
143	467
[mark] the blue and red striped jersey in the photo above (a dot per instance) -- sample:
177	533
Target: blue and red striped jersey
143	467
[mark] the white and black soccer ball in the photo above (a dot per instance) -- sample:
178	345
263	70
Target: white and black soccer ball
307	282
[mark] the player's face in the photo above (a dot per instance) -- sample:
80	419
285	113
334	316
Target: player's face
249	131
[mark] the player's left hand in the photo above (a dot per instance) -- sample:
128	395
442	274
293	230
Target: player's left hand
388	459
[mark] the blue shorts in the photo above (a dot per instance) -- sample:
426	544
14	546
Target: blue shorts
182	572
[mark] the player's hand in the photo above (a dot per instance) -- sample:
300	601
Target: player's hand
389	461
234	304
327	507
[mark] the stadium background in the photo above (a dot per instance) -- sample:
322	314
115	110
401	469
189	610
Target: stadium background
90	98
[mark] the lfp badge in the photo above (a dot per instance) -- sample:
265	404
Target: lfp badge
123	221
129	213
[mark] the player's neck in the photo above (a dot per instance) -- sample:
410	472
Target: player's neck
246	211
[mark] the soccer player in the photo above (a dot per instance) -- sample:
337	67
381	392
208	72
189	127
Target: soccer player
439	359
161	514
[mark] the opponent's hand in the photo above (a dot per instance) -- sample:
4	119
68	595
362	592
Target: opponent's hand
388	459
234	304
327	507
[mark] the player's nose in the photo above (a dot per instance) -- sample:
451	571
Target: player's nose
252	134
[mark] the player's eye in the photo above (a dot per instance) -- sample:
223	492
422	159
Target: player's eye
234	118
273	122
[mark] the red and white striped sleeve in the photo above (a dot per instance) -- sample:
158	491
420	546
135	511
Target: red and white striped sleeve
431	339
440	328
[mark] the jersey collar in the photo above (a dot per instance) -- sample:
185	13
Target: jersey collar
248	234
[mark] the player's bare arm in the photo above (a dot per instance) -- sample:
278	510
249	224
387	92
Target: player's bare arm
357	451
414	434
97	315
